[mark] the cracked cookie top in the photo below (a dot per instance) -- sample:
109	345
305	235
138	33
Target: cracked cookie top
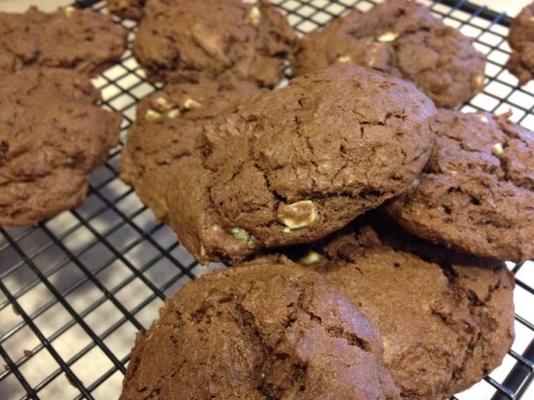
446	319
403	39
189	39
53	135
131	9
477	191
68	38
167	127
521	39
264	330
292	165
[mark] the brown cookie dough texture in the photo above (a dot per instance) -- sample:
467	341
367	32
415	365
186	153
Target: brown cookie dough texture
293	165
521	39
264	330
189	39
52	136
477	191
403	39
446	319
130	9
167	126
68	38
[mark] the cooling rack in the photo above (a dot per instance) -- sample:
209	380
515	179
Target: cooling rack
75	289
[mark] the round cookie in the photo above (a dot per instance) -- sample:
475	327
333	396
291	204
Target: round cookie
68	38
477	191
521	39
447	320
53	135
167	127
295	164
190	39
403	39
130	9
265	330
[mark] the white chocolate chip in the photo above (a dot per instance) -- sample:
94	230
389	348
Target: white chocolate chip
344	59
484	118
286	230
498	149
254	16
152	115
190	104
69	10
164	103
299	214
174	113
311	258
243	236
387	37
479	81
373	56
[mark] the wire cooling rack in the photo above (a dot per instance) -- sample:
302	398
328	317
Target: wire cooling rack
75	289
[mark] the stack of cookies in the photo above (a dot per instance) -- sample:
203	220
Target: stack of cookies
366	222
52	132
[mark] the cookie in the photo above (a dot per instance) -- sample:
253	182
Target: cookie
265	330
167	127
521	39
189	39
53	135
403	39
130	9
68	38
477	191
446	319
292	165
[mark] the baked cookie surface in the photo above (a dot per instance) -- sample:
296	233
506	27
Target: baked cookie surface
52	136
68	38
264	330
130	9
168	125
446	319
403	39
521	39
292	165
477	190
189	39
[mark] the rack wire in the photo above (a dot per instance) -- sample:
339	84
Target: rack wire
75	289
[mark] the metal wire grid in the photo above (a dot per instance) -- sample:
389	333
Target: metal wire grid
75	289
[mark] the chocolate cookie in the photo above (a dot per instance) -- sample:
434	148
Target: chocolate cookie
189	39
68	38
403	39
293	165
521	39
130	9
264	330
446	319
52	136
477	191
168	124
